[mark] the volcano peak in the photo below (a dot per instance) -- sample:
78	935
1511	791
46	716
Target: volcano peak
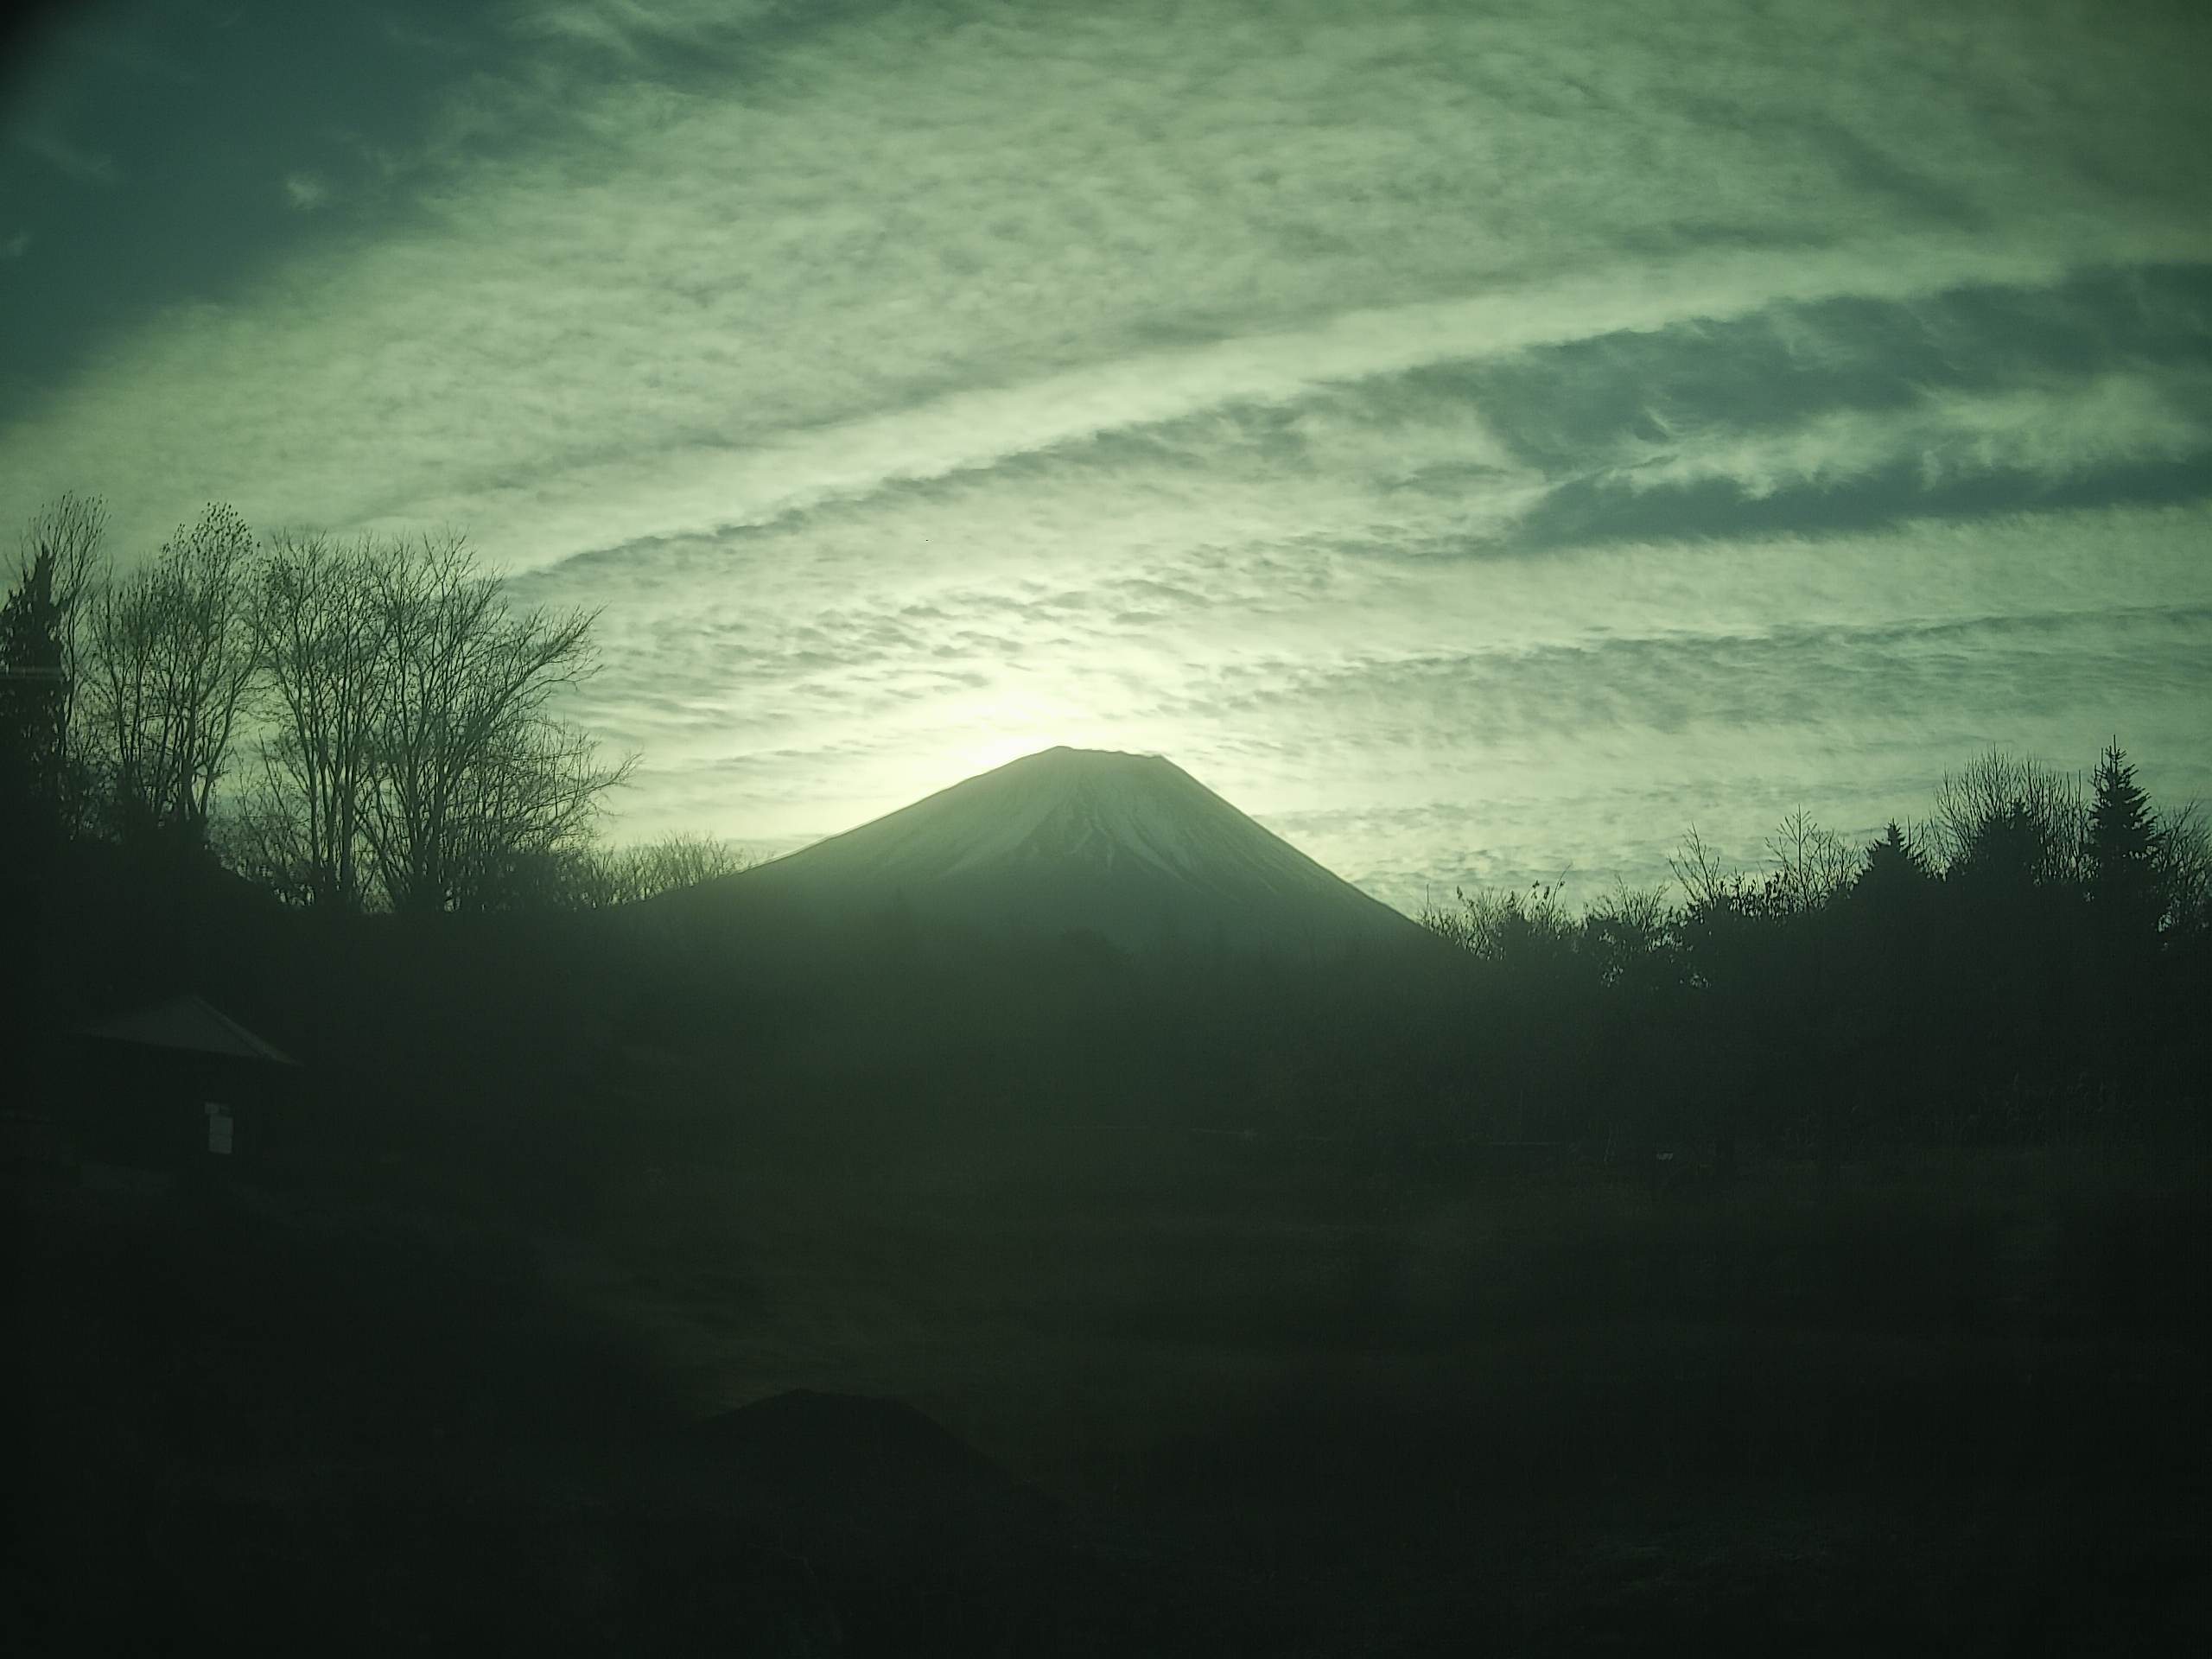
1127	845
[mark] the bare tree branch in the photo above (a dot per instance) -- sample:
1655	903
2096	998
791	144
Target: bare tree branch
170	663
475	779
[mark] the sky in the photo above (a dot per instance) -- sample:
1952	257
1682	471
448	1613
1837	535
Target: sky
1482	442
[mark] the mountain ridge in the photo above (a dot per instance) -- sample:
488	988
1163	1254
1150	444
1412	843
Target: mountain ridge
1127	846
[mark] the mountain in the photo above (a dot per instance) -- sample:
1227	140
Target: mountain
1127	846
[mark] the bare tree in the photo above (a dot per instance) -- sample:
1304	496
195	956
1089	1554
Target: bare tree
667	865
1813	864
319	634
1627	931
170	661
257	833
531	797
2036	816
475	779
2184	875
1529	929
1703	881
581	874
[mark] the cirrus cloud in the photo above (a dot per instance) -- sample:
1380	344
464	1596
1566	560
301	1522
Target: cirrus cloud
1376	407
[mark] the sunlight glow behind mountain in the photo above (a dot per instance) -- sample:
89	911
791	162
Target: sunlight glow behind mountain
1484	439
1130	847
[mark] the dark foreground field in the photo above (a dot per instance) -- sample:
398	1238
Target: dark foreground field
1155	1398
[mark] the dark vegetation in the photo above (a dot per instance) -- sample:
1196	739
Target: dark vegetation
1810	1259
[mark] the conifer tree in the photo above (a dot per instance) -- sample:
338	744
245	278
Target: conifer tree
2123	847
1894	867
34	706
42	628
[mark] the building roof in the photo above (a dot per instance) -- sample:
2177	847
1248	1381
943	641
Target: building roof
189	1023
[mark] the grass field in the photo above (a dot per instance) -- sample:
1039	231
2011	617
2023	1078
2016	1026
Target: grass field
1287	1405
1954	1393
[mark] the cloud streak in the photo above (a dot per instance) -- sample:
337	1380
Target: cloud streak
1398	400
74	161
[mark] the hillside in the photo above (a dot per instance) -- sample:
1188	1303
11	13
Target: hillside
1130	847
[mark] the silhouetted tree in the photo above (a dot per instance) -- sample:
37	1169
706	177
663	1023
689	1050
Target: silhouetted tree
171	661
2184	871
1722	912
621	875
411	755
2121	867
1894	869
41	634
1629	935
1848	996
2121	851
34	693
1630	939
2005	819
320	638
1813	865
476	782
1531	931
1886	944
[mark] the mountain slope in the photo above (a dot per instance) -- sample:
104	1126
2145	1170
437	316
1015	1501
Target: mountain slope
1128	846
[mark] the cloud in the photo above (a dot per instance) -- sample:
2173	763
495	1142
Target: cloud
86	166
630	30
1423	682
16	246
1435	400
2101	440
306	191
1028	232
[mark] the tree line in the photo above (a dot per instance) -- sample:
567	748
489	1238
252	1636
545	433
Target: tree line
357	724
2032	956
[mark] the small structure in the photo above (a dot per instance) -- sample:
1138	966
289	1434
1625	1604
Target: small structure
177	1084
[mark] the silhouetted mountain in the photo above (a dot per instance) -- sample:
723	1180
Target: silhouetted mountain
1130	847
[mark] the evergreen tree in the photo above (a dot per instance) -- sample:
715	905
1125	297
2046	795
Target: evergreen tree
34	701
41	663
2123	847
2005	824
2011	854
1895	868
1887	938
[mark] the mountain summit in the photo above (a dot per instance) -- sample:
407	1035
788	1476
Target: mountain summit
1128	846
